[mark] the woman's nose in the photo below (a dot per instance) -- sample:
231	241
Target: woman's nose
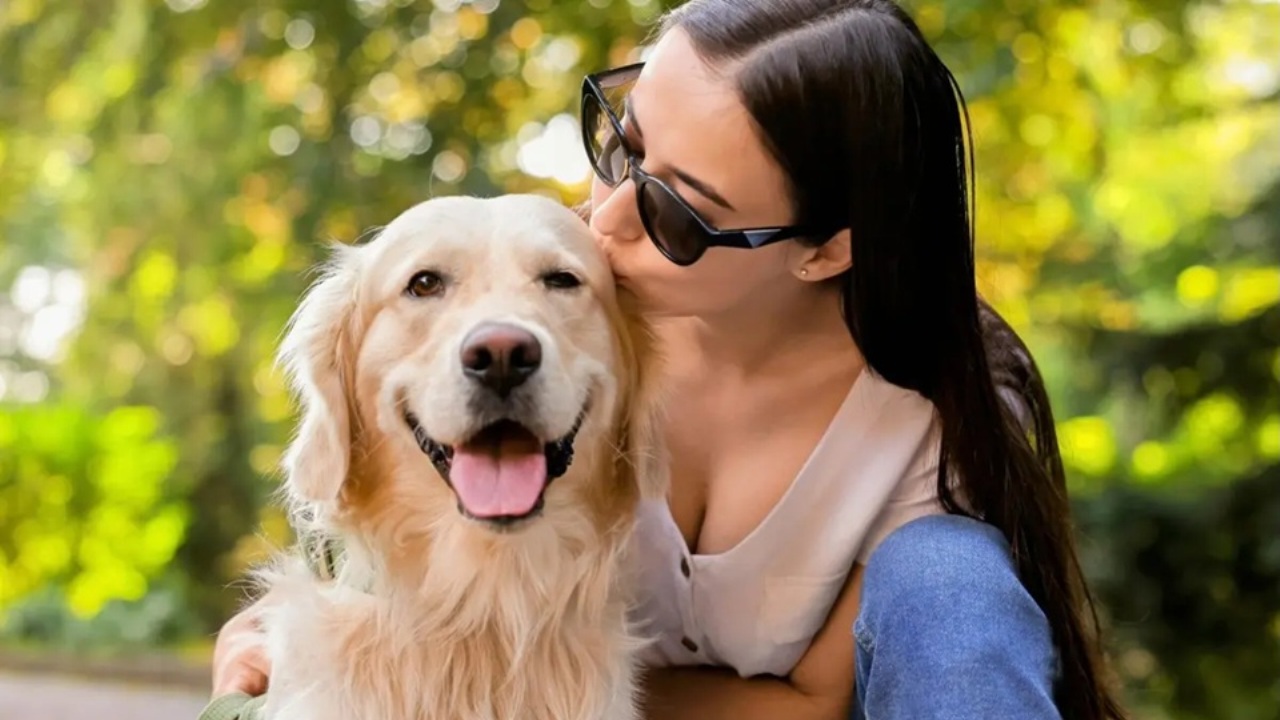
616	216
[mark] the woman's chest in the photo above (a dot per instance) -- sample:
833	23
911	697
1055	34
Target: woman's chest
750	590
732	464
755	608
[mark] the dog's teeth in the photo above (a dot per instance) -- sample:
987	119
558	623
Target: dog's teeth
439	456
559	457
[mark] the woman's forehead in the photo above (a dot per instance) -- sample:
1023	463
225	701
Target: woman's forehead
676	74
691	118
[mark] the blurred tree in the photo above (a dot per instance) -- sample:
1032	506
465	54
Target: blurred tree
168	172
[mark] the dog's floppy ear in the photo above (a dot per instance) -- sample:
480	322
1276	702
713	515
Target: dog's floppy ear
644	449
317	354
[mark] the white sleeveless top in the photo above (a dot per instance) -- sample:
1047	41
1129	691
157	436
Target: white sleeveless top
756	607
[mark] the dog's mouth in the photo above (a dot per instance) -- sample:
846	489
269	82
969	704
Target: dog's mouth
501	473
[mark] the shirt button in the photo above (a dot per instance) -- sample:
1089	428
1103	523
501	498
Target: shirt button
684	567
689	645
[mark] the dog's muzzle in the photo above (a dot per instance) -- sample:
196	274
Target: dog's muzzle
559	453
500	481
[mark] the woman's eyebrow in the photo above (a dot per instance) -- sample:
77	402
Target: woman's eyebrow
702	188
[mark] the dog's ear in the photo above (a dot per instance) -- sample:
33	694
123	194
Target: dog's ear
317	354
644	449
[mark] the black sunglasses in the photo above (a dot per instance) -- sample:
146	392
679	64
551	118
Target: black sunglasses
675	228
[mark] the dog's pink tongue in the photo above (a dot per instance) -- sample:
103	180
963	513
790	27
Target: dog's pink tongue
502	474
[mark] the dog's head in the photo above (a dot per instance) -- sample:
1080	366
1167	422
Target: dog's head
467	354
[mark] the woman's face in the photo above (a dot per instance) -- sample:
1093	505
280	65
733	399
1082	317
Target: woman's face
687	127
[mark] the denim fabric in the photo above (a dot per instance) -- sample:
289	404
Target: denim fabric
946	630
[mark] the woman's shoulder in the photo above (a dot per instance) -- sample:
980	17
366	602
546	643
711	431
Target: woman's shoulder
892	440
878	415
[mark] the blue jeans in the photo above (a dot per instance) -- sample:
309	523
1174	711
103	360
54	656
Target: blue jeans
946	630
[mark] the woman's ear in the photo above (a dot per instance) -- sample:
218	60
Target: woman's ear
317	354
827	260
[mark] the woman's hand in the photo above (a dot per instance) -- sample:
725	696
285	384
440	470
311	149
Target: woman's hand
240	662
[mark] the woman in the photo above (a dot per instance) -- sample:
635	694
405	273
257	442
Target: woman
839	389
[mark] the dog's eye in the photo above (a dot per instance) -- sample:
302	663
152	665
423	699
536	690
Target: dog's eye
425	284
561	280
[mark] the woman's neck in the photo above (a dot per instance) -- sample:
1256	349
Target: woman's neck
763	341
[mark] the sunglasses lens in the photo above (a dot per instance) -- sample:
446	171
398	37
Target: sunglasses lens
608	158
674	230
599	111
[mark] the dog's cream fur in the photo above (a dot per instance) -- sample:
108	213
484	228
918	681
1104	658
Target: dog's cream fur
434	616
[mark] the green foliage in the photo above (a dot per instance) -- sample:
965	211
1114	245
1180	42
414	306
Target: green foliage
84	504
168	172
161	617
1192	584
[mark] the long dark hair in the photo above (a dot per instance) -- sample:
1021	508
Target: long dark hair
871	129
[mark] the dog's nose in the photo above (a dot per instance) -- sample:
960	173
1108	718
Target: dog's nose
500	356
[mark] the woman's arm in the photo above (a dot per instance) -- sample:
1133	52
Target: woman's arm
819	688
713	693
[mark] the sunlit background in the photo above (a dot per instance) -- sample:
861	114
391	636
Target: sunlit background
169	170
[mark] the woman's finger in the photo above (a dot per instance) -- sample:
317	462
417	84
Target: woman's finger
240	662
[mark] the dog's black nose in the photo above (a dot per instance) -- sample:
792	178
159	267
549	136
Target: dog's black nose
500	356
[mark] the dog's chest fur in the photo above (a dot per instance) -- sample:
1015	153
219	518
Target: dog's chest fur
470	651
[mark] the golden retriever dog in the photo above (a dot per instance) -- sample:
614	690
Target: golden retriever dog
477	431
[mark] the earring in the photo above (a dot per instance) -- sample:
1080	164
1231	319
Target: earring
804	272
